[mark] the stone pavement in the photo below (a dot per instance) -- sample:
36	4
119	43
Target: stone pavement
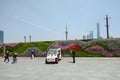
83	69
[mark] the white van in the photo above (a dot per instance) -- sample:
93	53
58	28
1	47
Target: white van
53	55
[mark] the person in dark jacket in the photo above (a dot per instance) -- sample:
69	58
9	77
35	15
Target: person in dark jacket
15	58
32	54
73	55
6	55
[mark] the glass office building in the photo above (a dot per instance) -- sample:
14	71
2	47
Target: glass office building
1	36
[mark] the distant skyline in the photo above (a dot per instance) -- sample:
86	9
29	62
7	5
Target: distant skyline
46	20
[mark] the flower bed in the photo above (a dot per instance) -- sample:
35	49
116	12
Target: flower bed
101	50
9	45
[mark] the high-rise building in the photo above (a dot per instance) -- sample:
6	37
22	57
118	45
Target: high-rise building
1	36
84	37
98	31
90	35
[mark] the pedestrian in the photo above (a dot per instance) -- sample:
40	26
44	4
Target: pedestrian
6	56
32	54
14	58
73	55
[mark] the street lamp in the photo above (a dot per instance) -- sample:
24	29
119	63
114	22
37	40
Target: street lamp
4	45
30	38
4	48
24	38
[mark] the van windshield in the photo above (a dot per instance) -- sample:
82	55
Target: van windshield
52	51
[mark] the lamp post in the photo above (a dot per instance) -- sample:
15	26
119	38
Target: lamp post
4	45
4	48
24	38
30	38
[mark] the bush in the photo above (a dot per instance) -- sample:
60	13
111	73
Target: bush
21	47
100	50
66	53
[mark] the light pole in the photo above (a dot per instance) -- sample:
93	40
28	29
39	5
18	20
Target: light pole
30	38
24	38
4	48
4	45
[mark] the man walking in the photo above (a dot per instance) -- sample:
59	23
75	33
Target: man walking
6	56
73	55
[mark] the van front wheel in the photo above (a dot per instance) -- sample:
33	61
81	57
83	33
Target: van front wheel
56	60
46	61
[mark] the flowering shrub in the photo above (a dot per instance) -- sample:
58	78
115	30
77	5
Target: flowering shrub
107	44
112	44
105	47
101	50
20	48
9	45
116	52
63	46
95	49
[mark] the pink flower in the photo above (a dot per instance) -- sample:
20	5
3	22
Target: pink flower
99	49
11	44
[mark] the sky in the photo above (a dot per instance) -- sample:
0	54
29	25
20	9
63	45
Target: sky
46	20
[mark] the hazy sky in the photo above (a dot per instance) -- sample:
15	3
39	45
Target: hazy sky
46	19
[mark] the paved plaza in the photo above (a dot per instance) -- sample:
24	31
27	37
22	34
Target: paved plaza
83	69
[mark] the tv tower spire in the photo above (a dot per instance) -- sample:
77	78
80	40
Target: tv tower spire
66	33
